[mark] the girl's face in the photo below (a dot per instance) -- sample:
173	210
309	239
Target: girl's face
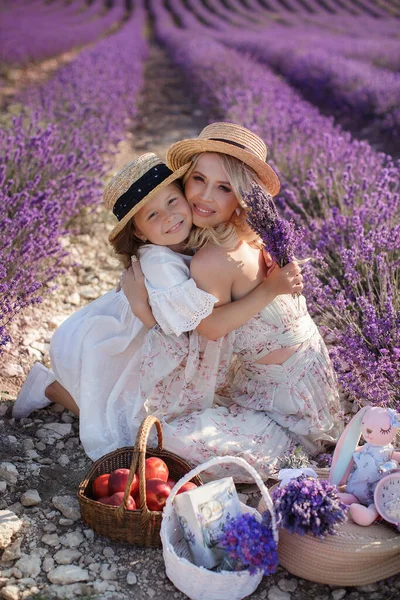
209	192
166	219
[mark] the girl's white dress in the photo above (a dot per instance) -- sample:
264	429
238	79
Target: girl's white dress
118	371
96	353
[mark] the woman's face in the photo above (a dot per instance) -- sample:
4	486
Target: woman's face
166	220
209	192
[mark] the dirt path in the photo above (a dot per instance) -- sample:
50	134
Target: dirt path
41	459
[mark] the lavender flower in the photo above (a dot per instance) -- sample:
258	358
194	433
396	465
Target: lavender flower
347	87
63	27
325	459
250	544
307	505
54	154
279	236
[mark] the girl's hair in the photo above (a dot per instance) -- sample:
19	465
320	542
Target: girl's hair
228	235
126	243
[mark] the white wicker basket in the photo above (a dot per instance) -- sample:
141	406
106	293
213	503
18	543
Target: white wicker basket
199	583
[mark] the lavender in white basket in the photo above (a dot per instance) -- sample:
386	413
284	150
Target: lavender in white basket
307	505
250	544
279	236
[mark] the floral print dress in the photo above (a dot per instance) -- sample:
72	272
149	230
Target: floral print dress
302	393
263	412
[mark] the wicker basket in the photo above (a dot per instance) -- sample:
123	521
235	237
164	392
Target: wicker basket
140	527
355	555
199	583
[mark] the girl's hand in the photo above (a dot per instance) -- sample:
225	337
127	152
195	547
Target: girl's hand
133	284
135	291
285	280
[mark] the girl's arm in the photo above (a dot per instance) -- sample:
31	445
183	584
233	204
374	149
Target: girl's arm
218	281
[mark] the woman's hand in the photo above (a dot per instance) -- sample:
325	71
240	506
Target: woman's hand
132	283
285	280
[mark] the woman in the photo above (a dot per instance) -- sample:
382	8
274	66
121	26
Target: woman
281	369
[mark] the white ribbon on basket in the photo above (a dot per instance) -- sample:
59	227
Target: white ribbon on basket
285	475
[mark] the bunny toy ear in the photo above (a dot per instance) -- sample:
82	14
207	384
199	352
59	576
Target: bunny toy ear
345	447
394	418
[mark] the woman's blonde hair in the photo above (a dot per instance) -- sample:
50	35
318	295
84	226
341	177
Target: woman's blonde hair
228	235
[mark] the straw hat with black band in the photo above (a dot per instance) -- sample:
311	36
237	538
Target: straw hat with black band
135	185
231	139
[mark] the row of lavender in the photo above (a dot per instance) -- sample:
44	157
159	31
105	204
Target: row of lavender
52	159
32	30
373	8
334	16
333	71
345	194
344	86
301	35
312	8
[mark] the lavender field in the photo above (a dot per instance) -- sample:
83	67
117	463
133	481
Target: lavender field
319	80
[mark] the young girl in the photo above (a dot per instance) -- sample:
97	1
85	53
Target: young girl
99	355
281	367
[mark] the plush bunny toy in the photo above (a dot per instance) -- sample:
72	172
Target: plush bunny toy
361	467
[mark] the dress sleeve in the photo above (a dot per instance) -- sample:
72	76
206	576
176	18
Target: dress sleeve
178	305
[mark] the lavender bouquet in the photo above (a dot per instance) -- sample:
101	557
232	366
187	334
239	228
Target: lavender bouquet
249	545
308	505
279	236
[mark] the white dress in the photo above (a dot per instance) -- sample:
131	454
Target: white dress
96	353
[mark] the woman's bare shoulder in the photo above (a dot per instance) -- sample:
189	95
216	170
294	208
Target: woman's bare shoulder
211	251
211	258
212	271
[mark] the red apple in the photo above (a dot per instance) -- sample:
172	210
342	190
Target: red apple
117	499
155	468
186	487
103	499
100	486
157	492
118	480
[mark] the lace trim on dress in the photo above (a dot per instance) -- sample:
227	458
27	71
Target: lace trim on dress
181	308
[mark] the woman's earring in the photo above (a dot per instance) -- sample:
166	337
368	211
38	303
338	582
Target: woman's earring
238	210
